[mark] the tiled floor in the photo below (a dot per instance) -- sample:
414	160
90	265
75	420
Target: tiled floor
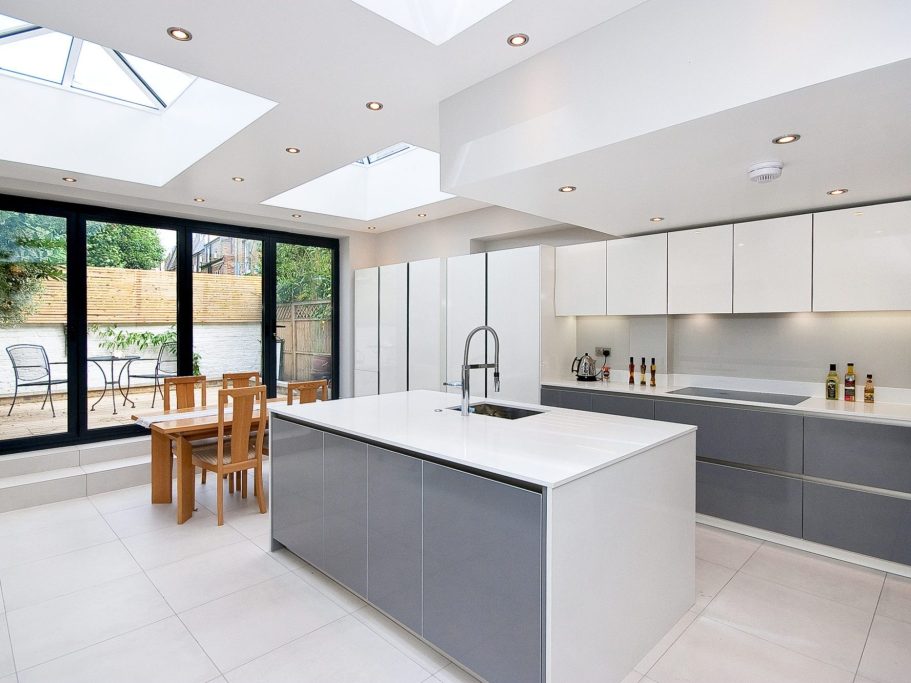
109	588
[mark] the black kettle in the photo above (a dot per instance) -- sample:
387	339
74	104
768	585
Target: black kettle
585	368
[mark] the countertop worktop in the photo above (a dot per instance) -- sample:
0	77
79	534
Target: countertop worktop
549	449
885	413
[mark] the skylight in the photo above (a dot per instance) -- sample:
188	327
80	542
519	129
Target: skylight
384	154
34	52
435	22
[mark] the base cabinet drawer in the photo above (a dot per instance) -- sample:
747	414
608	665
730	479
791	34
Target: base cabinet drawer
761	500
748	437
863	522
345	512
623	405
483	573
574	400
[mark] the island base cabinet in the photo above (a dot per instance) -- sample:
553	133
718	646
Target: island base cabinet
483	574
866	523
297	489
395	535
762	500
345	512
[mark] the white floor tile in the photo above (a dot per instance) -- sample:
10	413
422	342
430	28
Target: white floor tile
455	674
661	647
822	576
723	547
163	651
710	578
251	525
122	499
57	627
6	653
887	657
336	592
32	544
198	579
268	615
345	650
633	677
823	629
414	648
144	518
709	652
176	542
9	679
895	601
32	518
29	584
2	602
289	559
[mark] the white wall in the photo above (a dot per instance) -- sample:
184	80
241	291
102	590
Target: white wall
356	251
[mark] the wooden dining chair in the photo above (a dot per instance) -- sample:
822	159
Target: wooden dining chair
243	449
308	391
231	380
184	391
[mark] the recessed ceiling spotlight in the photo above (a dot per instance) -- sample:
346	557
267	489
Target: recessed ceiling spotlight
656	219
374	106
292	150
835	193
67	179
237	179
181	34
567	188
199	200
296	215
517	40
371	227
422	215
786	139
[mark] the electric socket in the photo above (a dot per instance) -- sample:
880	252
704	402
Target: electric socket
601	351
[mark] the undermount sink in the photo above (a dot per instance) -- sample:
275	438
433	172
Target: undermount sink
496	410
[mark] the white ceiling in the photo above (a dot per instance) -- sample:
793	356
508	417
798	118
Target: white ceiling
321	60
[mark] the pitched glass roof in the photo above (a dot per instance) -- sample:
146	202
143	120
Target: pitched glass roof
53	58
384	154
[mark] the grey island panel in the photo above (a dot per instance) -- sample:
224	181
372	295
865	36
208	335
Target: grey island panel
483	573
345	512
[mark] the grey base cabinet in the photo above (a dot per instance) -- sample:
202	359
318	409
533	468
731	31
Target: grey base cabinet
483	573
345	511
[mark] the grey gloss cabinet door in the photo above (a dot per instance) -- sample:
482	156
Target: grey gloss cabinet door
345	511
483	574
761	500
858	453
394	535
624	405
297	489
750	437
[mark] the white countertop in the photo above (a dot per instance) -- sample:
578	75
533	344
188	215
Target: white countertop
549	449
885	413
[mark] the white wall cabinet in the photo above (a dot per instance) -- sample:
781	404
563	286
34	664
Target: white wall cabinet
637	275
861	258
580	286
426	323
393	326
466	293
366	331
773	265
700	270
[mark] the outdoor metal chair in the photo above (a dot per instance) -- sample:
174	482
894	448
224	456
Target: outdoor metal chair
165	366
32	369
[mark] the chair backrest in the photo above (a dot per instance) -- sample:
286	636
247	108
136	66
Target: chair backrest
29	362
308	391
184	391
244	401
167	358
230	380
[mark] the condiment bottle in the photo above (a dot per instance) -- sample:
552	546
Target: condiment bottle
868	390
642	372
850	383
653	369
832	384
632	371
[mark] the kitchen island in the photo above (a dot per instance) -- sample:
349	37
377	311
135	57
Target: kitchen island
555	547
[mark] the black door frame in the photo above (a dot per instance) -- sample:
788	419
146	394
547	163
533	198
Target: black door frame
76	216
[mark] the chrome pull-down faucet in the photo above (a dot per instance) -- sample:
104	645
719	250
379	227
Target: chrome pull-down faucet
467	368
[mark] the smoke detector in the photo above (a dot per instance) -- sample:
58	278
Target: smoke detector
765	171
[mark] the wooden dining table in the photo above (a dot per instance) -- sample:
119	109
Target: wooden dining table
180	431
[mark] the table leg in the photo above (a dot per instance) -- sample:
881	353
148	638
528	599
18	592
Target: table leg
113	395
104	389
186	481
162	468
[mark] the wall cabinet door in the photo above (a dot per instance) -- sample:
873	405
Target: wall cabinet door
699	270
393	326
426	324
581	279
466	297
514	311
483	580
861	257
345	511
394	535
366	331
773	265
637	275
297	489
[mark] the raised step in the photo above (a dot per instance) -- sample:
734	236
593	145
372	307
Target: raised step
72	456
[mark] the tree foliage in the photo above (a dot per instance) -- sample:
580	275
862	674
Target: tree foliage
303	273
32	250
113	245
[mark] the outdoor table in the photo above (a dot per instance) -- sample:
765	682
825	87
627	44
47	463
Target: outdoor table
110	380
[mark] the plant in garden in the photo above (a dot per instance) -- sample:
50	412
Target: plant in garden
112	245
32	251
304	274
114	339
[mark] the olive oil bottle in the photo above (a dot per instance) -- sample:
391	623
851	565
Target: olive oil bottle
642	373
653	369
832	383
632	371
868	390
